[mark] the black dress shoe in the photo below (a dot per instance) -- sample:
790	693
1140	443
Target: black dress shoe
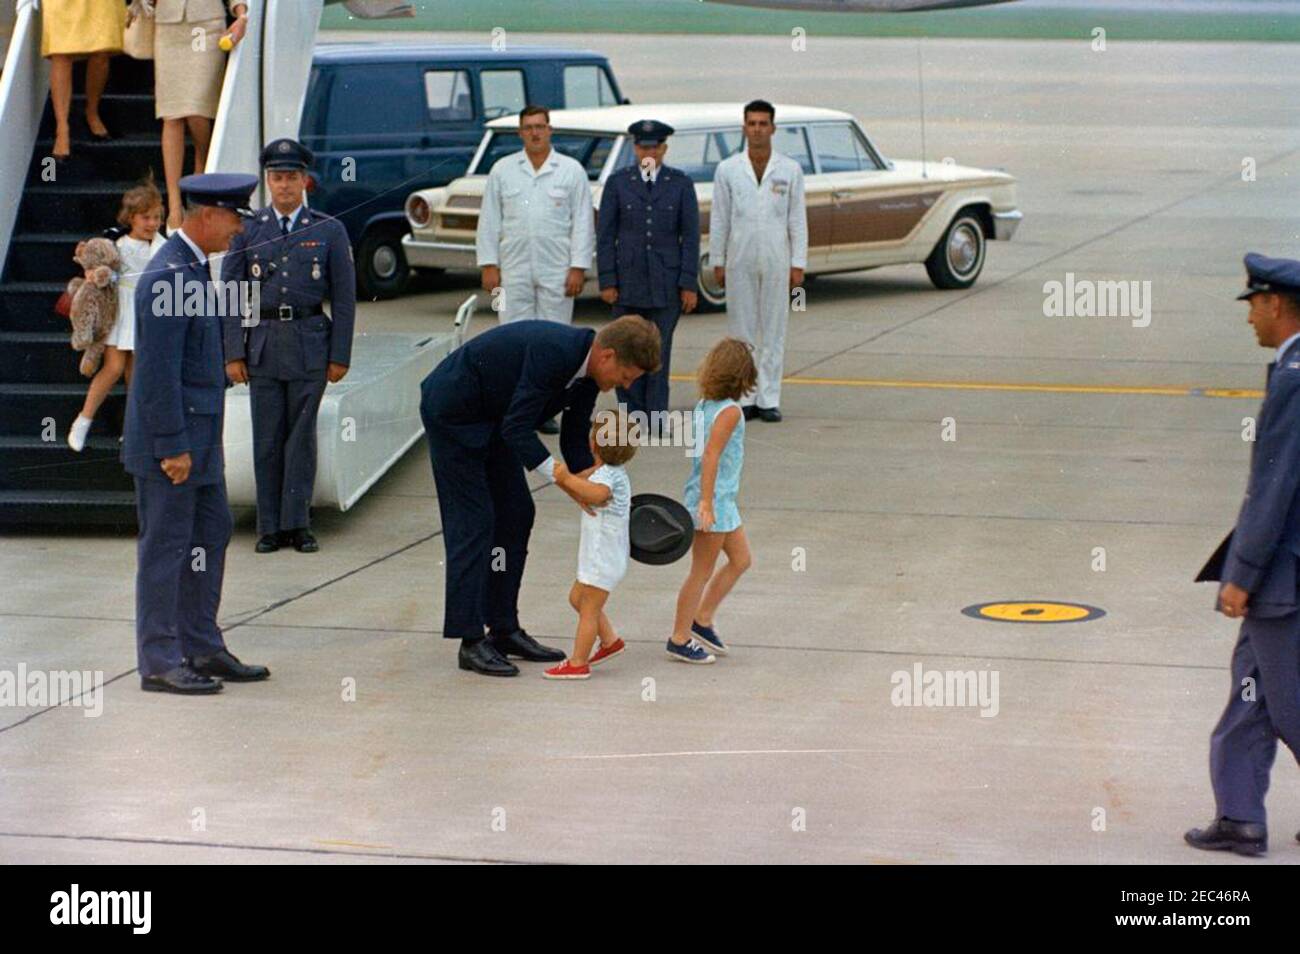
183	681
304	542
482	657
749	410
523	646
267	543
225	666
1224	834
770	414
548	426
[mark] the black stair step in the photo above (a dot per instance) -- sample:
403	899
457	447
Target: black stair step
32	357
38	261
29	306
42	258
123	113
28	410
91	161
30	463
50	206
70	508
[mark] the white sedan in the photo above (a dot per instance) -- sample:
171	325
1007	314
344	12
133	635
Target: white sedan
864	210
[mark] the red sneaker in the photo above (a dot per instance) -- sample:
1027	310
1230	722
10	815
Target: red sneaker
566	671
604	653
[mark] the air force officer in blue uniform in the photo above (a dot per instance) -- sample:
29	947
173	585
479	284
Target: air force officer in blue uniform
648	250
172	447
481	406
1257	566
299	258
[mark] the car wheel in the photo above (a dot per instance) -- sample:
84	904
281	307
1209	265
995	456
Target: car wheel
382	271
713	297
958	258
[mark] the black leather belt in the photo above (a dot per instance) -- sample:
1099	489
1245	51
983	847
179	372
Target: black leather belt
288	313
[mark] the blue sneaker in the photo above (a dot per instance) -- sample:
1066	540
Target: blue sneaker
691	652
709	637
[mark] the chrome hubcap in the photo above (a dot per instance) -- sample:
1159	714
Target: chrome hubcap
712	291
384	261
963	249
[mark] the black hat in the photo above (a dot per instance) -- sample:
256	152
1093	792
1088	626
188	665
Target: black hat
649	132
225	190
1264	274
286	154
660	528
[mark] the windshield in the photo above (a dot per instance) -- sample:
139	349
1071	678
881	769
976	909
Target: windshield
698	153
589	149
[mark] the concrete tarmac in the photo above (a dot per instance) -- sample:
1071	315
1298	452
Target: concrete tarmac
870	531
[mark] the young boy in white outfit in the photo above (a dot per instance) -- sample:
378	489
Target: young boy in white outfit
603	549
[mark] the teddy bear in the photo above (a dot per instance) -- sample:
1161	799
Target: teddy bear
93	311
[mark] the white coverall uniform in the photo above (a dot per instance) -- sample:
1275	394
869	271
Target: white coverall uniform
759	231
535	225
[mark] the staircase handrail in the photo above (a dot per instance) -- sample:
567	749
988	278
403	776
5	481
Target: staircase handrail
24	87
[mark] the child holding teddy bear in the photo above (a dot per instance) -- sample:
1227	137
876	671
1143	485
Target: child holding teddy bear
141	216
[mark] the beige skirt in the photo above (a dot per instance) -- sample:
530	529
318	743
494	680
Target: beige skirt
78	27
187	81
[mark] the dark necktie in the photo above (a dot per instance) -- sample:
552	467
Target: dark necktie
284	225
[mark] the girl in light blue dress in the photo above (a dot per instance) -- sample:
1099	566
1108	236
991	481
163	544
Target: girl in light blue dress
727	374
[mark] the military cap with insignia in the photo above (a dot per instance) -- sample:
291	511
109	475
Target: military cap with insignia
286	154
225	190
1264	274
649	132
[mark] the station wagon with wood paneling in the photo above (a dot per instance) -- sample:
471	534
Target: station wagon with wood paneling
864	210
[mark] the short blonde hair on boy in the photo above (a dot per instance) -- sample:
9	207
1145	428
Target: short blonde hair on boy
728	370
616	437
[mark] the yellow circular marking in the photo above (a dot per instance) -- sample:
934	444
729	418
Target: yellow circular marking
1033	611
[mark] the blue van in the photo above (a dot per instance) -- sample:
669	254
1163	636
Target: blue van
387	120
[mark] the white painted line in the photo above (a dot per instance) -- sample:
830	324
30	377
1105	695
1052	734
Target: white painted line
665	755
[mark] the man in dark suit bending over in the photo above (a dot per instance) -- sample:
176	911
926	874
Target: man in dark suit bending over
481	406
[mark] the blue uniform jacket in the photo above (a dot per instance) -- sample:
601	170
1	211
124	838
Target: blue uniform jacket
513	377
313	263
1264	552
177	398
648	239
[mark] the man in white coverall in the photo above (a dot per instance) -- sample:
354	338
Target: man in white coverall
536	228
758	244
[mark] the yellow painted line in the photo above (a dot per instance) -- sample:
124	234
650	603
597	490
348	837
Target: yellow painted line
1034	388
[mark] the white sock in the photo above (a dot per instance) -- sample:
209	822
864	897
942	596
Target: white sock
77	433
